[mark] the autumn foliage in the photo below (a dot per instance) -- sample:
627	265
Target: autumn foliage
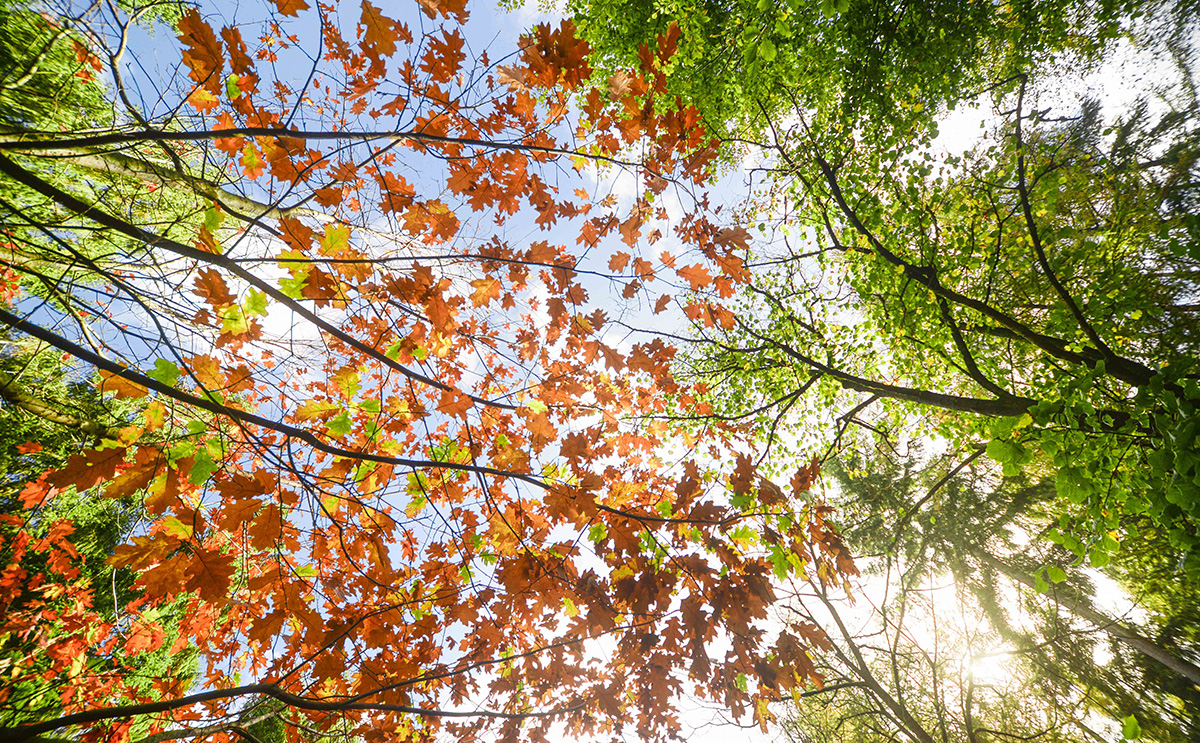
402	459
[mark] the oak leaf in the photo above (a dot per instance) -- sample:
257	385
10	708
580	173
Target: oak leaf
486	289
202	54
381	33
211	287
696	275
209	573
120	386
446	8
291	7
742	480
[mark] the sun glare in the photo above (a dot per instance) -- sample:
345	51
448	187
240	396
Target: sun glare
989	668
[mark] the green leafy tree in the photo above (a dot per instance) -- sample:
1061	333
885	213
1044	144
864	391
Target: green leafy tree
1017	643
881	70
56	554
1035	293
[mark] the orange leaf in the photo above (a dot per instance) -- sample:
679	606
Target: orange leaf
455	403
457	8
696	275
380	33
291	7
444	56
486	290
120	386
209	573
211	287
89	469
203	53
239	62
202	100
297	234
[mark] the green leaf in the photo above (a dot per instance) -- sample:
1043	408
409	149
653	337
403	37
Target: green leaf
294	287
176	528
1002	451
1130	729
213	219
1057	574
741	682
256	303
597	533
203	468
767	51
164	372
341	425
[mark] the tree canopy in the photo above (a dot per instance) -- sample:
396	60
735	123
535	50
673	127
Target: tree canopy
375	377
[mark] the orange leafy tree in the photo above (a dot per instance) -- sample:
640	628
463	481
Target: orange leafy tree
401	469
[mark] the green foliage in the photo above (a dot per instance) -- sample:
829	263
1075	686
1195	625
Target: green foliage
47	78
858	65
1034	295
972	529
